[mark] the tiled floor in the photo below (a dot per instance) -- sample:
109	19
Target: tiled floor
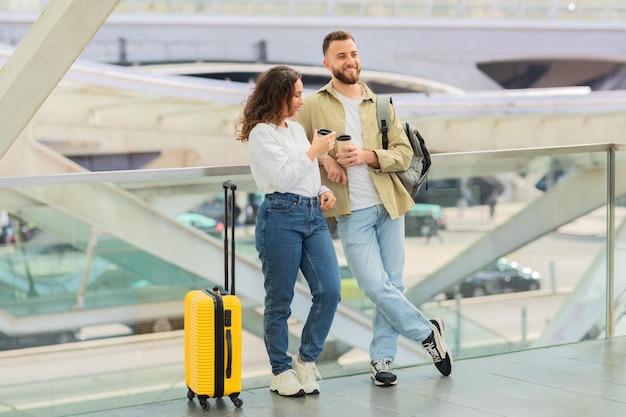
582	379
585	379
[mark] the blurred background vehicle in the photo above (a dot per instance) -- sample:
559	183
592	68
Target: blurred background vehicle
9	225
214	208
7	235
503	276
201	222
417	221
450	192
420	218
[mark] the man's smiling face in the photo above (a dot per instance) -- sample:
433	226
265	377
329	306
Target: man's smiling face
342	60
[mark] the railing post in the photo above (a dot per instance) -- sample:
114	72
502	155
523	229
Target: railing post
552	277
524	329
610	242
459	322
553	11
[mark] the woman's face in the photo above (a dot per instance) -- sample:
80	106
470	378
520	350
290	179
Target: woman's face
292	107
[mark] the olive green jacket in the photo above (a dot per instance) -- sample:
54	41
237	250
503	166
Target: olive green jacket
324	109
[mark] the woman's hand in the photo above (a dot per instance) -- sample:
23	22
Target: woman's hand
327	200
320	145
334	171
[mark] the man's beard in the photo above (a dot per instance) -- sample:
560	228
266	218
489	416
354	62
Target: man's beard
339	74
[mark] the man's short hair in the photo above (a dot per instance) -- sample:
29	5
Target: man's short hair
338	35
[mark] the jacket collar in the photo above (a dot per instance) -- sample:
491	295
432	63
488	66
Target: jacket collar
369	95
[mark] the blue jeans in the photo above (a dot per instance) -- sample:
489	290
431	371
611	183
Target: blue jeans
373	244
292	235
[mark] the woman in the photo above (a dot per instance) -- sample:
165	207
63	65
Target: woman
291	233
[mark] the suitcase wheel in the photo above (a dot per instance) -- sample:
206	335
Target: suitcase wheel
236	400
190	394
204	403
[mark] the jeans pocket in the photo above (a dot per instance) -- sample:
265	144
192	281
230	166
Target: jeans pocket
280	206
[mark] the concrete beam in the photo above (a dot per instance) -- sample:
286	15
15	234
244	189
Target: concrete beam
43	57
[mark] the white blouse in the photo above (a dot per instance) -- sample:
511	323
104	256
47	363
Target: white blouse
279	163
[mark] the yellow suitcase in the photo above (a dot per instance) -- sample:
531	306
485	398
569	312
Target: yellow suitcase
213	335
212	346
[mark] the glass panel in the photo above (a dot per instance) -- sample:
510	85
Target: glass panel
619	254
513	251
445	9
535	9
506	247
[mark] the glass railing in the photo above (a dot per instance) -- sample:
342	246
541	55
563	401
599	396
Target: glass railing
602	10
515	258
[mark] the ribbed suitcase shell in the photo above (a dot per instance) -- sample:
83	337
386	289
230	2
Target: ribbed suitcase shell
209	370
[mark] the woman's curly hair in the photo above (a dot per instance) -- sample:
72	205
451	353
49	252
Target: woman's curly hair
274	88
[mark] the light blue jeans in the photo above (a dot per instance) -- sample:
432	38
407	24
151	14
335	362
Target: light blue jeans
373	244
292	235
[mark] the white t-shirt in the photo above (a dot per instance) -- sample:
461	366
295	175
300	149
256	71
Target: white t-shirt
279	163
363	192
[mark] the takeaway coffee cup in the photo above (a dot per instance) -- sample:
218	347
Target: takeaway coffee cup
323	132
342	141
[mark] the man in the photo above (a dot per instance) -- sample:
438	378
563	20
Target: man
430	226
370	207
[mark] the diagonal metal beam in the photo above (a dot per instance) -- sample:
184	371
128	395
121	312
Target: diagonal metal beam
560	205
584	311
43	57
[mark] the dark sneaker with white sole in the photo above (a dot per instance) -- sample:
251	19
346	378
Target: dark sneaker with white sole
436	346
382	375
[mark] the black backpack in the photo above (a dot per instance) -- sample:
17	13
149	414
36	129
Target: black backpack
417	173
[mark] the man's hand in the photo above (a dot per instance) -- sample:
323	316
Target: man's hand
351	156
327	200
334	171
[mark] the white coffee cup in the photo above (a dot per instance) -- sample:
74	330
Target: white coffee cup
323	132
341	141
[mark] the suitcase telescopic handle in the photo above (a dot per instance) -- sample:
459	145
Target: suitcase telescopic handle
229	278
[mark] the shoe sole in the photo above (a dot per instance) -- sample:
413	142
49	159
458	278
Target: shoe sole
296	366
384	384
297	394
442	341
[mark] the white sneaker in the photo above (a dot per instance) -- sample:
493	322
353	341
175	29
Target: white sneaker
287	384
307	374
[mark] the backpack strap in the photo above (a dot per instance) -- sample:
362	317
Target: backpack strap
382	114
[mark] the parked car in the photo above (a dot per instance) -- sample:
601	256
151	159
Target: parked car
420	218
503	276
201	222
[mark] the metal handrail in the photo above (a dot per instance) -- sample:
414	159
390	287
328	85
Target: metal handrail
574	10
188	173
